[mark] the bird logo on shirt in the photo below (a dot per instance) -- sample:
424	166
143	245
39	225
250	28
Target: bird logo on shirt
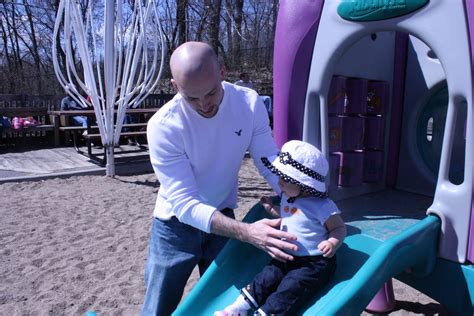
238	132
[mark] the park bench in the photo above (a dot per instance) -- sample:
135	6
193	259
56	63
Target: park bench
93	132
95	138
132	131
91	140
52	128
41	130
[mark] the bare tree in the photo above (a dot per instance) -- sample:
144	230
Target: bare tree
237	32
241	31
8	75
9	15
214	24
33	48
181	10
198	19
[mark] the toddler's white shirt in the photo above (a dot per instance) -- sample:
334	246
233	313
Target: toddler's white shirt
305	218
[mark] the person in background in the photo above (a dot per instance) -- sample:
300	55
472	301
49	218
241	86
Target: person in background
197	142
5	123
307	212
244	81
68	104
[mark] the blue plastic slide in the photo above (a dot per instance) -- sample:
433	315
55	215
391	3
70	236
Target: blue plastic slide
363	265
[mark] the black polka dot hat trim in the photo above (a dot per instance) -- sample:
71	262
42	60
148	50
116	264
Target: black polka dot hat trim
286	178
285	158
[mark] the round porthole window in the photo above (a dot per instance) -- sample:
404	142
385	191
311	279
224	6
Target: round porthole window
430	128
430	132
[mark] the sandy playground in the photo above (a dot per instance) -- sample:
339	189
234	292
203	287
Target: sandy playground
79	244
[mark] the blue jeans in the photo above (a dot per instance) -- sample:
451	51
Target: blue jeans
282	288
174	250
129	119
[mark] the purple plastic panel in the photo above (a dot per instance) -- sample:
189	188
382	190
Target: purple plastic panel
296	30
345	133
356	95
398	92
377	97
334	162
384	300
337	96
470	20
352	133
335	133
374	132
373	166
351	168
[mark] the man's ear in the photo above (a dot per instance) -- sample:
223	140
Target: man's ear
175	86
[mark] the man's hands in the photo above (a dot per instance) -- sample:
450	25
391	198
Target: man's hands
263	234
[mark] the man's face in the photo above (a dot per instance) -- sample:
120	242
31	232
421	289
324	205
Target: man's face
203	93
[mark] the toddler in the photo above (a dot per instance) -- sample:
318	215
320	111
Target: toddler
307	212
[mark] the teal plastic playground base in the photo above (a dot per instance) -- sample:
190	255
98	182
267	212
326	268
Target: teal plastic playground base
363	265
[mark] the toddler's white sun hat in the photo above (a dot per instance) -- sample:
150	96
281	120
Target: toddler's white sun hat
302	164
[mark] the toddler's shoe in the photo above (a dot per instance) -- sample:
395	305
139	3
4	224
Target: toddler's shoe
238	308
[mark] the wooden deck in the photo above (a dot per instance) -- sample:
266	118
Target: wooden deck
61	160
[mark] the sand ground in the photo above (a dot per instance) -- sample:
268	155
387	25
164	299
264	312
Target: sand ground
78	244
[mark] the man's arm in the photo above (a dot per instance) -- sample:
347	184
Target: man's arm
174	171
263	144
261	234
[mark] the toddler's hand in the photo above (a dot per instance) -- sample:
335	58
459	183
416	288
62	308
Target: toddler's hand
327	248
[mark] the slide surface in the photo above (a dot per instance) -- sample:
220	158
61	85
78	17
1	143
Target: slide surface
363	265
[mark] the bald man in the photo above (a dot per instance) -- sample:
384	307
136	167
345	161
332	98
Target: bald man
197	142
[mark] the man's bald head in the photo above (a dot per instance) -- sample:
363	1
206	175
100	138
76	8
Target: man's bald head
192	60
197	76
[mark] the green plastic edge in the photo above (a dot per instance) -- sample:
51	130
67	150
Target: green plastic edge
352	296
376	10
415	247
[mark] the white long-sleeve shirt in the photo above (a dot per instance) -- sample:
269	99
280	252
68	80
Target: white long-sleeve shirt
197	159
